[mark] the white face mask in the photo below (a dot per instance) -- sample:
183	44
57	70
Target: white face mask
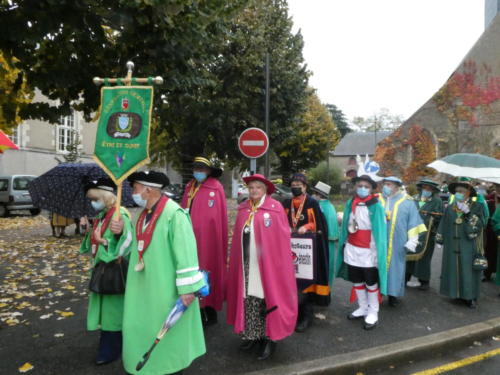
139	200
97	205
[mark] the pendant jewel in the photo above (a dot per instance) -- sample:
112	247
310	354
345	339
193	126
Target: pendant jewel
139	266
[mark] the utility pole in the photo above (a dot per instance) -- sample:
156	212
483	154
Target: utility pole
266	160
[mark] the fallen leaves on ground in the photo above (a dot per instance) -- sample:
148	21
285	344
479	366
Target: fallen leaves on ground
26	367
16	222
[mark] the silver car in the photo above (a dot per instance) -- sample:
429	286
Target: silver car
14	194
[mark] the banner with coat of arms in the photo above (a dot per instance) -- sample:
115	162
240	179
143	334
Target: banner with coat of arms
122	137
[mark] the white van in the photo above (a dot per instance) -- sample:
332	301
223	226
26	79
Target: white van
14	194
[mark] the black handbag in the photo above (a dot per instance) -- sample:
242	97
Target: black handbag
109	278
480	263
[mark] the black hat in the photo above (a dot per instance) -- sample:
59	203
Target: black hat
426	182
301	177
102	183
366	178
463	182
150	178
204	162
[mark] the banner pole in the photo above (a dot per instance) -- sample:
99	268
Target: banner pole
118	201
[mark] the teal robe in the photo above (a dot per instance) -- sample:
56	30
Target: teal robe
171	269
105	311
495	223
333	234
430	209
403	223
379	232
460	244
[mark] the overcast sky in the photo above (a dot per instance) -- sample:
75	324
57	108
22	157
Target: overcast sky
395	54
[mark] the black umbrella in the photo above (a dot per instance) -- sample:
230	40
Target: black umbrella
60	190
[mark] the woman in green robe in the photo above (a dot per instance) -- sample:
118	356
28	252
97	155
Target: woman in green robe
495	223
430	207
460	233
105	311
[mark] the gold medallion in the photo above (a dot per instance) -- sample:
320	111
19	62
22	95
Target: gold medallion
459	220
139	266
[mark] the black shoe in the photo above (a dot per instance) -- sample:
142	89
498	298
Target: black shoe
303	325
268	347
208	316
246	345
393	301
471	303
424	285
354	317
369	326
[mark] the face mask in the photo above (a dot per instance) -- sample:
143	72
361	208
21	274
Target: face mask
199	176
426	194
362	192
97	205
296	191
139	200
386	191
459	197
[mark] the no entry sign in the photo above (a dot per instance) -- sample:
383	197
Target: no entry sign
253	143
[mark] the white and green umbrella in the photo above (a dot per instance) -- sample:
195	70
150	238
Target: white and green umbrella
476	166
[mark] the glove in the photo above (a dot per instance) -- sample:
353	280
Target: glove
411	244
464	207
438	247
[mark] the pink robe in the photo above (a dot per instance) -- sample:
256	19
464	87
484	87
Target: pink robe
276	270
209	217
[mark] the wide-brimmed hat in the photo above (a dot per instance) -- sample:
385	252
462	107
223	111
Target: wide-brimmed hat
426	182
150	178
102	183
394	180
201	161
463	182
366	178
258	177
322	189
301	177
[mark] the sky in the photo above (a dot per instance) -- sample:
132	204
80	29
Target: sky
394	54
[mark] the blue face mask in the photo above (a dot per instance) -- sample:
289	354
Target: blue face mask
362	192
139	200
97	205
386	191
426	194
459	197
200	176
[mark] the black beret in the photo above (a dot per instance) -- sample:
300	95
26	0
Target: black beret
150	178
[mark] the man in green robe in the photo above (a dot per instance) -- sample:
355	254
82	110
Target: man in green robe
105	311
430	207
163	268
495	223
321	192
460	232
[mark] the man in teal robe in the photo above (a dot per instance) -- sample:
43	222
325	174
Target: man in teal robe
495	223
163	268
404	226
460	232
321	192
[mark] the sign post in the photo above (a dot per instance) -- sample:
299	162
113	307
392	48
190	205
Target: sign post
122	137
253	143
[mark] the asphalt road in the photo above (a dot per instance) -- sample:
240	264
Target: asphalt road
40	275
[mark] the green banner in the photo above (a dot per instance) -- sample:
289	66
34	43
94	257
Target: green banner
122	138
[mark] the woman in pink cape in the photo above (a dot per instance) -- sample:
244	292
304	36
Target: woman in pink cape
205	201
261	289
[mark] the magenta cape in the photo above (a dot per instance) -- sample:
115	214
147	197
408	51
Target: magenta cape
209	218
276	270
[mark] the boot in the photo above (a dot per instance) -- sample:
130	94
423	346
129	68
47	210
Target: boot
393	301
305	316
267	349
110	347
362	297
371	319
424	285
246	345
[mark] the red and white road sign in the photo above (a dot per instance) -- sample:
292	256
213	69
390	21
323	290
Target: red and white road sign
253	143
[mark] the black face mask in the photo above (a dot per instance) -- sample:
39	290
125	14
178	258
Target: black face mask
296	191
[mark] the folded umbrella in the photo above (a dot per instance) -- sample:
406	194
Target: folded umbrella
476	166
61	189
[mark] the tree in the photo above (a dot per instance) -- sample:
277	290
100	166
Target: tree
14	94
328	174
381	120
311	140
339	119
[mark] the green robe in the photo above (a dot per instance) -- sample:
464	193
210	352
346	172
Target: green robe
106	311
333	234
171	269
431	209
379	232
495	223
460	244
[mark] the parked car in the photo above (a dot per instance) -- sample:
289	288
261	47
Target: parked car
14	194
282	193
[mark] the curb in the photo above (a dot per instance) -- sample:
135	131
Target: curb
354	361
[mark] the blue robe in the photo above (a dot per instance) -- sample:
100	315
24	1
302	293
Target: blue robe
403	222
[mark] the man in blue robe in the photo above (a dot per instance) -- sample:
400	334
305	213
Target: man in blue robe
404	225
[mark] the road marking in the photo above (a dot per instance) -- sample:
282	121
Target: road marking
463	362
253	143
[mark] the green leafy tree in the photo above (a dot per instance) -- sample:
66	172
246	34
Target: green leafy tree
381	120
339	119
328	174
